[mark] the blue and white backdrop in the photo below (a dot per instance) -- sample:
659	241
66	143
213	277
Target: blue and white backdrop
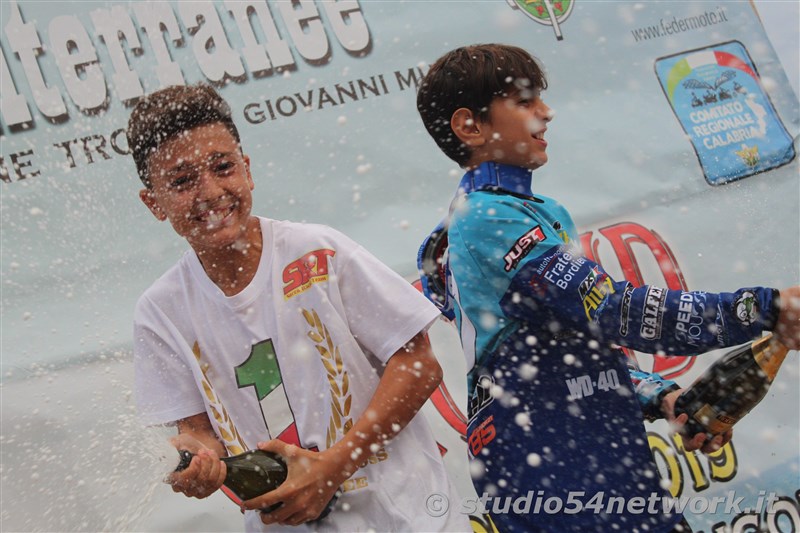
674	146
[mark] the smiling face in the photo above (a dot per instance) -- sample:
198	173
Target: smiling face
201	183
513	134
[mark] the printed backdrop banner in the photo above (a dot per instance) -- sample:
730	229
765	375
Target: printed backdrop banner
673	145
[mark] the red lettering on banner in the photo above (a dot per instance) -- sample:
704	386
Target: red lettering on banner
622	236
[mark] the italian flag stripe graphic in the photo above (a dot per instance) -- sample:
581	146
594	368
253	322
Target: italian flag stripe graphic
685	67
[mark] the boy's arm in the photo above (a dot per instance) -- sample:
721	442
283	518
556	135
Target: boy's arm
409	378
206	472
652	319
580	295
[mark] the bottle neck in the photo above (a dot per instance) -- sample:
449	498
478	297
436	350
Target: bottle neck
769	353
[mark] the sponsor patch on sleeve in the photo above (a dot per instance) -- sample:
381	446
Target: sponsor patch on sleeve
653	313
746	308
594	291
523	247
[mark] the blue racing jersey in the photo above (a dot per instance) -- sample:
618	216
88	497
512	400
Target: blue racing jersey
555	410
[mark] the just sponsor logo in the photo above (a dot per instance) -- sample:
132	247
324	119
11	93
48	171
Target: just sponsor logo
522	247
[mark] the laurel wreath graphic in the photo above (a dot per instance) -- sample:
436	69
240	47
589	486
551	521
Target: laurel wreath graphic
227	430
341	398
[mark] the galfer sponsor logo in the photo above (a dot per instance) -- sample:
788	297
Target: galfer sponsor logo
302	273
653	313
547	12
522	247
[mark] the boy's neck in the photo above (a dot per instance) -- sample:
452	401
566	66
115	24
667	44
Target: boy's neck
233	267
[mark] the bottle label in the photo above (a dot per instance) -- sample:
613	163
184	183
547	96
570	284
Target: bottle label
714	421
769	354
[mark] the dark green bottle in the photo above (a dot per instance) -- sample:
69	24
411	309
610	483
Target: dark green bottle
731	387
253	473
250	474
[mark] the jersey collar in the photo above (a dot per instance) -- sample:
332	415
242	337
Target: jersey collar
494	176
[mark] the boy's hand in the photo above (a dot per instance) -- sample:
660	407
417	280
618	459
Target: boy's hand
696	442
787	329
312	481
204	475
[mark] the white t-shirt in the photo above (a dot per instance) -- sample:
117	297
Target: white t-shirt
295	355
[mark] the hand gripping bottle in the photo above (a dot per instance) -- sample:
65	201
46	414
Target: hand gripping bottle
731	387
253	473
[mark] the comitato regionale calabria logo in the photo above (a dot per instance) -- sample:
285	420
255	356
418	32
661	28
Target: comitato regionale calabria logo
717	96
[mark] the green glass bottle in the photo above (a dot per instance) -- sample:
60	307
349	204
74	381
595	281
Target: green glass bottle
253	473
731	387
250	474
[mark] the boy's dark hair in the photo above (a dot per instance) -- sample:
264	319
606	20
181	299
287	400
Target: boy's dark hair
471	77
170	111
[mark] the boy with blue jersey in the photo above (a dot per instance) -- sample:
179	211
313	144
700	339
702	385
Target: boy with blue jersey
535	316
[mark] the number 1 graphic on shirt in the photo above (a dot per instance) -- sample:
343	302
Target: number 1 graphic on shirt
262	372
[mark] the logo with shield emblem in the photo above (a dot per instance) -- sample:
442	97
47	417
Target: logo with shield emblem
548	12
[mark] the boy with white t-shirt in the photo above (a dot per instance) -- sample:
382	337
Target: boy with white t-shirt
283	336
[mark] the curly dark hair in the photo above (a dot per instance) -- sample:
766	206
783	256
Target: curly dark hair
170	111
471	77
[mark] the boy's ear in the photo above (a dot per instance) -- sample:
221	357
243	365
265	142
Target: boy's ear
147	197
250	181
466	127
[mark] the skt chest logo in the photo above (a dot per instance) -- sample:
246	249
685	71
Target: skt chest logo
302	273
547	12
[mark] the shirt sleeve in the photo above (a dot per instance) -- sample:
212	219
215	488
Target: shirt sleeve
164	386
579	294
384	311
